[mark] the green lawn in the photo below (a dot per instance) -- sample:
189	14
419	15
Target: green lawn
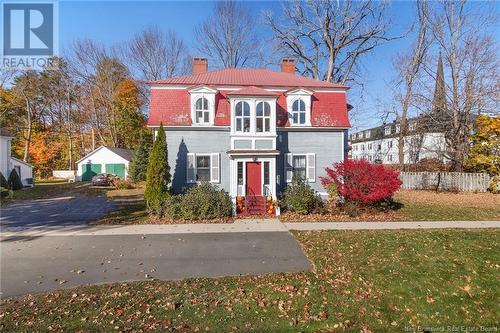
364	281
53	188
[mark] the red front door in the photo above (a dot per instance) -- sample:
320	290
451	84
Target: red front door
254	178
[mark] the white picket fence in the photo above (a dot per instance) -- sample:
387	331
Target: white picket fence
445	181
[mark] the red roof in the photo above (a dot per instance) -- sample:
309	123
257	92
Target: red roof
253	91
248	77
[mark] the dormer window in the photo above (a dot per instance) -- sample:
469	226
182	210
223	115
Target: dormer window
299	112
202	113
299	106
242	116
202	105
263	117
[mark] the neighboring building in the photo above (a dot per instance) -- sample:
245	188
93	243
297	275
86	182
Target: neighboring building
249	130
104	160
7	162
380	144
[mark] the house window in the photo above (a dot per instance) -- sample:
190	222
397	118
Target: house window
412	126
263	117
367	134
390	157
201	111
388	130
266	173
299	166
240	173
398	128
362	147
389	144
203	168
369	146
299	112
242	117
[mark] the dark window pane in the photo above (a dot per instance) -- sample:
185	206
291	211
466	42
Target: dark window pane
267	109
205	117
302	105
259	109
259	125
203	161
240	173
295	106
295	118
246	109
238	125
238	109
199	115
203	175
302	118
246	124
266	173
267	126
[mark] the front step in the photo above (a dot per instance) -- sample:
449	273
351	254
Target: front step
252	206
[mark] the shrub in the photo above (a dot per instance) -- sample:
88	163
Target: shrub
158	173
203	202
495	185
3	181
14	181
362	182
5	192
122	184
300	198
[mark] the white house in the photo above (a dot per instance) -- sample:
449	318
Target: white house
7	162
380	144
104	160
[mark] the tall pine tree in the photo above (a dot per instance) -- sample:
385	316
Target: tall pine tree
139	165
158	173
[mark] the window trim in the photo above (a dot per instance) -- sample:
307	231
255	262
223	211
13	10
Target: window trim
263	117
214	167
203	92
310	166
305	96
202	110
253	101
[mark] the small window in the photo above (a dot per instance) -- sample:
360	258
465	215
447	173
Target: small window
299	166
362	147
242	117
398	128
240	173
202	112
388	130
412	126
389	144
367	134
266	173
263	116
203	168
369	146
390	157
299	112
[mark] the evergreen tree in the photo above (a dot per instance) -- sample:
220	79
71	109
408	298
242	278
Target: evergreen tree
3	181
139	165
14	181
158	173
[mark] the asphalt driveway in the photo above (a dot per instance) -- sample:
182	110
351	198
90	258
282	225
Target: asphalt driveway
46	214
36	264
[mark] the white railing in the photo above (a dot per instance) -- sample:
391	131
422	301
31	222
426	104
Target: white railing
445	181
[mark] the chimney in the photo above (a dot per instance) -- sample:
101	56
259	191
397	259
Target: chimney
200	65
288	66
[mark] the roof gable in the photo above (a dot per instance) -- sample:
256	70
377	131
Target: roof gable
127	154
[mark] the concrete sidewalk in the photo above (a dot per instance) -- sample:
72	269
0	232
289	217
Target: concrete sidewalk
243	225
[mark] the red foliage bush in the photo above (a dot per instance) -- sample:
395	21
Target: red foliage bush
360	181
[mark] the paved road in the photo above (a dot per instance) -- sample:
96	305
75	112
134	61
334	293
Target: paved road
36	264
47	214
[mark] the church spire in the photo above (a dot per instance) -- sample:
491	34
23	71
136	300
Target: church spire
439	100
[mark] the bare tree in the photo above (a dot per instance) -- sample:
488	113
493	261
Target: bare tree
471	71
328	38
409	67
228	35
153	54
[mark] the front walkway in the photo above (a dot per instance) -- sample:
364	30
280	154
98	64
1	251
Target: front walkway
245	225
